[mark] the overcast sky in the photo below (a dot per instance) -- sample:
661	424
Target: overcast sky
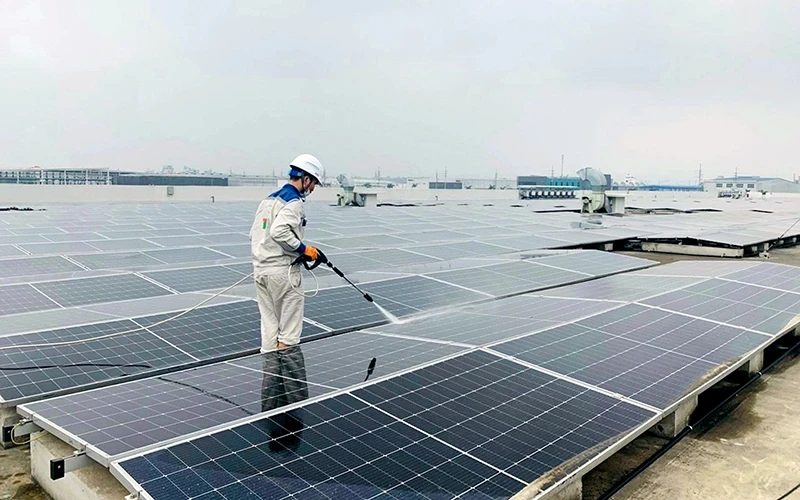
649	88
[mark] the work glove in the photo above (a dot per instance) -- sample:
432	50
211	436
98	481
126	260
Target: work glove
315	254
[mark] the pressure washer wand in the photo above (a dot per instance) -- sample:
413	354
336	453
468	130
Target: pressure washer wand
302	259
341	275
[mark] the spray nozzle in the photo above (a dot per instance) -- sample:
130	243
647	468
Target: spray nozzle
368	297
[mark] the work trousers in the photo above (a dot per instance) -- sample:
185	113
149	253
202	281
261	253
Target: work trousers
281	307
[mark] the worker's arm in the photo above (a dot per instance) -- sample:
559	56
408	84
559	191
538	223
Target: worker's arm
285	227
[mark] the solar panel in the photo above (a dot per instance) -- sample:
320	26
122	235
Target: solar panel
336	448
233	250
23	298
530	242
10	251
127	260
706	268
520	420
651	356
179	241
122	418
779	277
463	249
596	263
196	278
370	241
418	293
228	238
763	309
31	266
623	287
83	291
213	331
33	372
344	360
392	257
438	235
47	320
509	278
16	240
341	308
57	248
497	320
184	255
123	245
78	236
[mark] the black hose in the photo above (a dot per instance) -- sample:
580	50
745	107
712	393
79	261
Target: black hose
689	428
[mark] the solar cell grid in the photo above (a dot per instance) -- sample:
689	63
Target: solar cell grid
343	360
184	255
233	250
30	266
125	260
623	288
765	310
10	251
652	356
22	239
120	419
295	454
196	278
595	263
518	419
73	237
211	331
57	248
418	293
340	308
83	291
123	245
179	241
23	298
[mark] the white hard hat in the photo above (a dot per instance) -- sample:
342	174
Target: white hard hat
310	165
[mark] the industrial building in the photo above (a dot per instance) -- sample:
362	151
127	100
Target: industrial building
751	183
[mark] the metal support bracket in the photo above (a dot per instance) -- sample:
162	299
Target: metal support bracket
60	466
134	496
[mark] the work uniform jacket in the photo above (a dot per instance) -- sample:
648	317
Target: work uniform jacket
276	238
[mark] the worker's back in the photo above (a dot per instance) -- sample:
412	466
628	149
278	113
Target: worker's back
277	231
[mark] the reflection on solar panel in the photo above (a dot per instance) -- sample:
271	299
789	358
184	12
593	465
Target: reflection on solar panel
82	291
418	439
297	453
122	418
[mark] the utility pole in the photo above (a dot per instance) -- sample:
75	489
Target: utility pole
700	175
495	178
736	173
562	164
552	171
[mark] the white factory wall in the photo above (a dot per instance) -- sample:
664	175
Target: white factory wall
17	194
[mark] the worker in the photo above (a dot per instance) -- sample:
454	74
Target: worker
276	241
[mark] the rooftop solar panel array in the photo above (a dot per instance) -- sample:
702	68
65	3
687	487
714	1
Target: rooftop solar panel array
480	393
